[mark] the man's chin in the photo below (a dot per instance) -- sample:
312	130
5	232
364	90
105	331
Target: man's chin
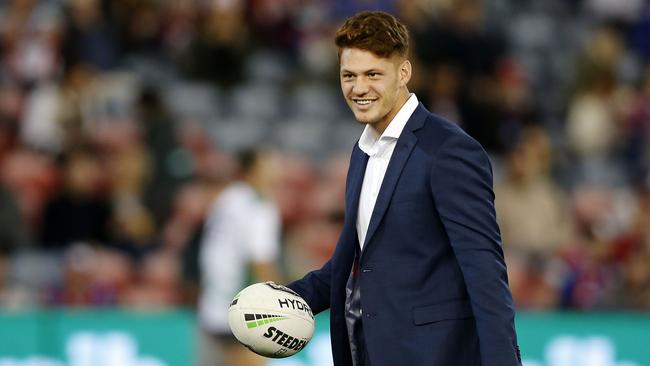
364	119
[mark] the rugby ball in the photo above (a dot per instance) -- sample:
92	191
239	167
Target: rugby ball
271	320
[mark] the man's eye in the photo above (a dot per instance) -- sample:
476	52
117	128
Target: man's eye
373	74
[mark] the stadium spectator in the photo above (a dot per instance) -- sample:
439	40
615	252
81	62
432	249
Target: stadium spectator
462	57
528	203
30	36
221	43
526	184
81	212
90	37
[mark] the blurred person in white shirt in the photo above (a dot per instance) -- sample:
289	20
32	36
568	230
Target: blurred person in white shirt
240	244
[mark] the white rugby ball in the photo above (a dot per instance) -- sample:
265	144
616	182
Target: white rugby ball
271	320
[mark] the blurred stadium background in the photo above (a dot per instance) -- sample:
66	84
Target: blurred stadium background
136	104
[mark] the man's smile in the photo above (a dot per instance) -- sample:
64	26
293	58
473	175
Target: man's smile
363	102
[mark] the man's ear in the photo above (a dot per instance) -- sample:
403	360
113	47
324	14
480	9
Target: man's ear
405	72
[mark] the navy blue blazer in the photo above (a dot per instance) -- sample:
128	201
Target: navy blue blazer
433	282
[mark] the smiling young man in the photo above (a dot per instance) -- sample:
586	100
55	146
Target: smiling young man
374	86
418	275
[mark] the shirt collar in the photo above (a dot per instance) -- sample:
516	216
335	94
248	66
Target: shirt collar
369	138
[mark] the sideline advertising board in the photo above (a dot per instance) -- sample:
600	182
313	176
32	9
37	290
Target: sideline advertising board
120	338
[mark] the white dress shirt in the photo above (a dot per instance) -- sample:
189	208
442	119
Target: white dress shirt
379	149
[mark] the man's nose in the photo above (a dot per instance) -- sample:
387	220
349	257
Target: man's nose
360	86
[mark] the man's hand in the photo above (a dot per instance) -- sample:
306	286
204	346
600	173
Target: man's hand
281	287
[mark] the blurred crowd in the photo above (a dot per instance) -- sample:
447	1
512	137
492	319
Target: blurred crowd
119	120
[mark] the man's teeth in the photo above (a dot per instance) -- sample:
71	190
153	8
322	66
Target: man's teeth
363	101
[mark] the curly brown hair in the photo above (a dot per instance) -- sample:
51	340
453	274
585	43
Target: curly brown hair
375	31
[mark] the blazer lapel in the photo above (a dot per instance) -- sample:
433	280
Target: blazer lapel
403	149
355	179
348	238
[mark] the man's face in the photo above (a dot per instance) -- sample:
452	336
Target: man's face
374	87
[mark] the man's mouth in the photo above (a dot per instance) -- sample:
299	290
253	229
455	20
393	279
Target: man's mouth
363	102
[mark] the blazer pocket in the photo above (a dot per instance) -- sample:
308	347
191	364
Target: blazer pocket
450	310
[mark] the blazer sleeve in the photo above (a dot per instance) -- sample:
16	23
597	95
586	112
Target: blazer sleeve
314	288
461	183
